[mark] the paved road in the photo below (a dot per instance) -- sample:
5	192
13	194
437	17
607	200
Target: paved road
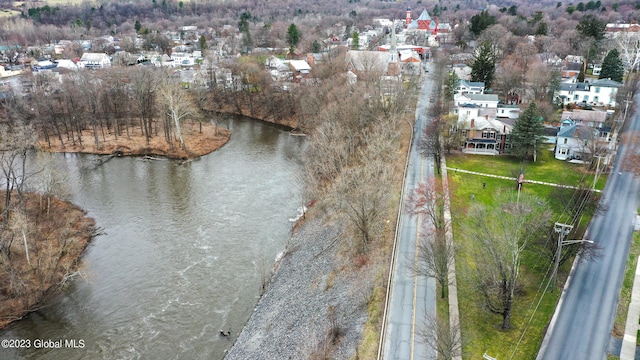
581	327
411	297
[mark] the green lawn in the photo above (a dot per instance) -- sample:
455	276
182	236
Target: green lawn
627	285
480	329
546	168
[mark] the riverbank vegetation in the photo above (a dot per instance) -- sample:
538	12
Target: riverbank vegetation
40	246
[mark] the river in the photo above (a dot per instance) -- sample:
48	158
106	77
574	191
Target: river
184	255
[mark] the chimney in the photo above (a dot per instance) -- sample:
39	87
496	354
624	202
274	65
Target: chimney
408	19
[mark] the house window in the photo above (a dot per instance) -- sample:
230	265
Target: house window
485	134
595	99
492	135
563	151
597	90
585	98
565	141
575	97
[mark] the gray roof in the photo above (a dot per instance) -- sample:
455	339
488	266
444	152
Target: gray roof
482	97
574	86
576	131
606	83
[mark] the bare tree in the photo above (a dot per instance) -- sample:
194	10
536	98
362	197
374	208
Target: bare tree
442	337
177	106
499	235
435	257
628	42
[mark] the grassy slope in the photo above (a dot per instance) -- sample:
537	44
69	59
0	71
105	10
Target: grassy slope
480	328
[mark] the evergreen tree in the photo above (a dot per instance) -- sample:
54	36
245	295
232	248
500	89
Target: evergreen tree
355	43
484	65
203	42
591	26
480	22
612	67
293	35
451	85
316	47
528	133
542	28
138	26
581	73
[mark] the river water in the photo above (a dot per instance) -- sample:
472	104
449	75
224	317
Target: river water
184	255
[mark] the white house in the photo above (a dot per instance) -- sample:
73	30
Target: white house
580	142
508	111
481	100
95	60
67	64
470	87
601	92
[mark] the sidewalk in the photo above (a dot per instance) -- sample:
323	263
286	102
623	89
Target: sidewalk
514	179
628	351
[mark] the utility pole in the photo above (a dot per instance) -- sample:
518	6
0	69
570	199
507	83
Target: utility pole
595	178
562	230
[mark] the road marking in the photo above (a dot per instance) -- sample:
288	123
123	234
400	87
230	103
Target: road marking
415	276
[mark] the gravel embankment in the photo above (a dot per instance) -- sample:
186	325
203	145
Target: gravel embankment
293	318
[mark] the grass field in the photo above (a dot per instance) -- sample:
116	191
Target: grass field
531	311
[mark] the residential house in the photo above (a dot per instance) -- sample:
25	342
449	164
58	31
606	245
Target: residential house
550	59
481	100
470	87
371	63
279	70
601	92
580	142
508	111
484	135
95	60
67	64
300	69
571	66
592	118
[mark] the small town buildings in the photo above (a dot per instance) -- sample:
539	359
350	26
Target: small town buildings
95	60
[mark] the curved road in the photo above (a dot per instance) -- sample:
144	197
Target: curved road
412	298
582	324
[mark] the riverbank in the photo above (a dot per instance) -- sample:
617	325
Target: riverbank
200	139
56	234
315	306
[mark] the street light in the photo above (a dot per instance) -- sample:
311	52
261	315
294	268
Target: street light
563	230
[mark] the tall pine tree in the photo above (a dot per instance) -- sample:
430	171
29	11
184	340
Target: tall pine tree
484	64
612	67
528	133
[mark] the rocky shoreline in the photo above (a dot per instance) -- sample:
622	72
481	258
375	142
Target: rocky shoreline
314	307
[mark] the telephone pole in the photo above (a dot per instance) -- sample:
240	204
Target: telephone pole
562	230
